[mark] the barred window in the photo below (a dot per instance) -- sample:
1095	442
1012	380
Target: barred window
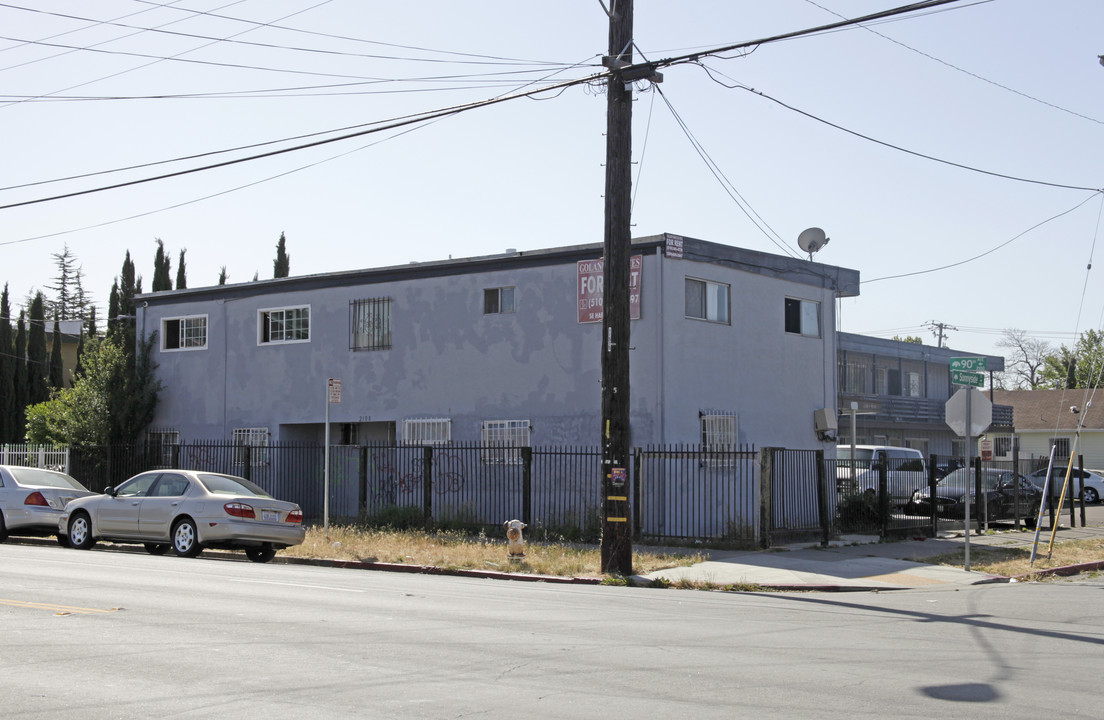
256	439
1062	447
1003	445
184	333
370	324
281	325
719	432
427	431
502	438
161	444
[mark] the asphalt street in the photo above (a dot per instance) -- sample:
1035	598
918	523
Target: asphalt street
125	635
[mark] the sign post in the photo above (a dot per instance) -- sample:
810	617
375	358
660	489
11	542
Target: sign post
969	413
333	397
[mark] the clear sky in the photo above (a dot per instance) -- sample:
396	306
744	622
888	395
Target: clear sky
1011	87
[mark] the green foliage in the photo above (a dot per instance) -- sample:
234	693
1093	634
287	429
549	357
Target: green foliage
398	517
281	266
909	339
56	369
1079	367
9	421
19	378
161	269
181	272
37	359
858	512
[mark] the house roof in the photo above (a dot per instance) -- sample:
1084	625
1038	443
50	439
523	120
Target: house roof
910	351
1049	410
843	281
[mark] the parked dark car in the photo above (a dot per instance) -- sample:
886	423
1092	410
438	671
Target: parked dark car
997	501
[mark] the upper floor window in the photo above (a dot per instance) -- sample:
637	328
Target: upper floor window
803	317
427	431
498	300
706	300
370	324
184	333
281	325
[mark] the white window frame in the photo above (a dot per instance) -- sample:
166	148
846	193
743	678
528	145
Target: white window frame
500	303
808	313
502	440
1063	444
257	439
186	336
266	318
1005	443
427	431
717	310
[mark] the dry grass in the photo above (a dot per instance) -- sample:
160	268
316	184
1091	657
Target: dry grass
1016	561
456	551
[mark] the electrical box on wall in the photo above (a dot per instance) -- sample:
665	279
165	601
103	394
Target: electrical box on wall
824	422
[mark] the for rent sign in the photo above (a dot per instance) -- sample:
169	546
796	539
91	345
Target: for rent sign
591	285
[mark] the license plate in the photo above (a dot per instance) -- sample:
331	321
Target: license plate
270	515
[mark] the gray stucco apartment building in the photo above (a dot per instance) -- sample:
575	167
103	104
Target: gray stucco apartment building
729	346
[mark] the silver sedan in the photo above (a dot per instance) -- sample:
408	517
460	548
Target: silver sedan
32	499
187	511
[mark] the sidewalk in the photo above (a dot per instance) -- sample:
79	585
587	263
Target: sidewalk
857	562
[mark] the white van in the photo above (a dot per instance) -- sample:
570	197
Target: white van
906	470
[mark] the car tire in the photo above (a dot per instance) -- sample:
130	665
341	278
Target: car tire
80	532
156	548
261	554
185	538
3	529
63	540
992	512
1090	496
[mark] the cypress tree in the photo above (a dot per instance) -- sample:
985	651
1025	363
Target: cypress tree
161	269
57	378
19	380
281	266
8	419
181	279
37	359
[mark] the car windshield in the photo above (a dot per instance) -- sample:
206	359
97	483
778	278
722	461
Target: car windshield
843	452
44	478
965	476
230	485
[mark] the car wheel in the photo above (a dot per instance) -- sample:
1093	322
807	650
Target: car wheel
80	532
185	539
3	529
1091	496
63	540
262	554
156	548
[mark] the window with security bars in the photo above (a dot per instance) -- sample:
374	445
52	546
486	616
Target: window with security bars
1003	445
184	333
370	324
855	376
427	431
1061	447
284	325
162	444
501	440
256	439
720	436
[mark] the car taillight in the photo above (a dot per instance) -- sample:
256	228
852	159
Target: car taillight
295	516
36	498
240	510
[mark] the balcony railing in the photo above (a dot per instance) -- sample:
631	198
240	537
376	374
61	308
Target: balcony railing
899	409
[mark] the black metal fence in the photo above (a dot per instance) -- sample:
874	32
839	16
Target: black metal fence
743	496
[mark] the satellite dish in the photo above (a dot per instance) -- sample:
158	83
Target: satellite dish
811	240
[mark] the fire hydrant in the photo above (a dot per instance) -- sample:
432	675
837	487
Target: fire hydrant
515	543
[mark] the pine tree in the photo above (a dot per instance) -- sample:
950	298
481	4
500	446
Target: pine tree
181	279
64	304
8	420
37	359
162	279
19	380
281	266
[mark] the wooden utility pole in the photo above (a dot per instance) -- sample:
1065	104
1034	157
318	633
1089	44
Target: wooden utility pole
616	519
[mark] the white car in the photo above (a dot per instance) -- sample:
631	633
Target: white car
1094	483
32	499
186	511
906	470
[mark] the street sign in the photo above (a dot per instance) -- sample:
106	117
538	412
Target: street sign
985	450
334	391
981	412
971	364
971	379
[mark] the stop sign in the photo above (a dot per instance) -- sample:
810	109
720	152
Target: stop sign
981	412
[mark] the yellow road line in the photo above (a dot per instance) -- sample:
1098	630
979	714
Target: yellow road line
56	608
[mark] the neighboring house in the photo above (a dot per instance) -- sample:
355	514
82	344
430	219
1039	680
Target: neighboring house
900	390
70	340
729	346
1044	418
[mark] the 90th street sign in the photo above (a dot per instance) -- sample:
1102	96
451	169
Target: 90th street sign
970	364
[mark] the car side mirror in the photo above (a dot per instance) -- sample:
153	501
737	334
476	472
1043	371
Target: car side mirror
110	490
